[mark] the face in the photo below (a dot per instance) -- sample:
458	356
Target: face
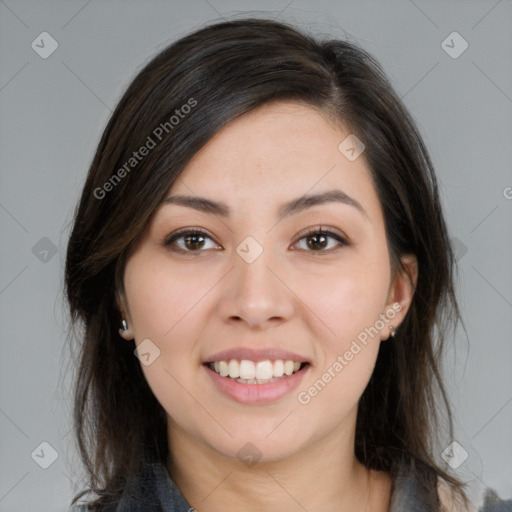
264	285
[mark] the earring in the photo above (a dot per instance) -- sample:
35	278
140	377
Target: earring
124	331
392	331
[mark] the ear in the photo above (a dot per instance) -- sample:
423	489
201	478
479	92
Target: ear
122	308
400	295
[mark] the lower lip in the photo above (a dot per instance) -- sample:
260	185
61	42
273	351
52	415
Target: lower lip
257	393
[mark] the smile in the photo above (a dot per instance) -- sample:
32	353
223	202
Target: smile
256	382
255	372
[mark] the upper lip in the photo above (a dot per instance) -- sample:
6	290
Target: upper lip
252	354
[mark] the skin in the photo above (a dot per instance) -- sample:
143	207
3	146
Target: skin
312	301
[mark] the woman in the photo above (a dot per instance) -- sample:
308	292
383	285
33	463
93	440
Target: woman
259	260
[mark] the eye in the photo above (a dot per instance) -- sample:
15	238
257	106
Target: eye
193	240
317	239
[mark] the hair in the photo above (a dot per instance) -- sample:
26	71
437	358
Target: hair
223	71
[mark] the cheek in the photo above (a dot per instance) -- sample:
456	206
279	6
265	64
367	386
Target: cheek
161	297
347	354
162	303
347	300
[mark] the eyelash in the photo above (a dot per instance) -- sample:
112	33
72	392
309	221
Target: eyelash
197	232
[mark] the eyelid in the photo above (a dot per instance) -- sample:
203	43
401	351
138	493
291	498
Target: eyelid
321	229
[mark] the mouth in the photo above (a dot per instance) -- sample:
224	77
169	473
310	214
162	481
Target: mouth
256	382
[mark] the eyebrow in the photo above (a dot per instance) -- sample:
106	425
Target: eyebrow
292	207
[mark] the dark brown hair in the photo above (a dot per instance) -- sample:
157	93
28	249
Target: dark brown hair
223	71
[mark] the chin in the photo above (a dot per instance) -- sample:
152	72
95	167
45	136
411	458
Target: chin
257	446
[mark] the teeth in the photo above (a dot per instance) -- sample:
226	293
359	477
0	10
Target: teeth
250	372
247	370
264	370
223	368
233	369
278	368
256	381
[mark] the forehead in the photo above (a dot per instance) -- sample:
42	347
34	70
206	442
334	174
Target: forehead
278	147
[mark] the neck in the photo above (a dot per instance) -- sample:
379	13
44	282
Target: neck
324	476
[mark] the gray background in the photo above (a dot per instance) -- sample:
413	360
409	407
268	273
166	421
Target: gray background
53	111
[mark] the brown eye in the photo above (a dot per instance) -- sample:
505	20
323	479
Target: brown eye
317	240
190	240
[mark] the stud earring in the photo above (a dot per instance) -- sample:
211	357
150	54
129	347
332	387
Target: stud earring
124	331
392	331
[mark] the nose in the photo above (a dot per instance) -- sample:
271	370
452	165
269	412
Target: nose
256	293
